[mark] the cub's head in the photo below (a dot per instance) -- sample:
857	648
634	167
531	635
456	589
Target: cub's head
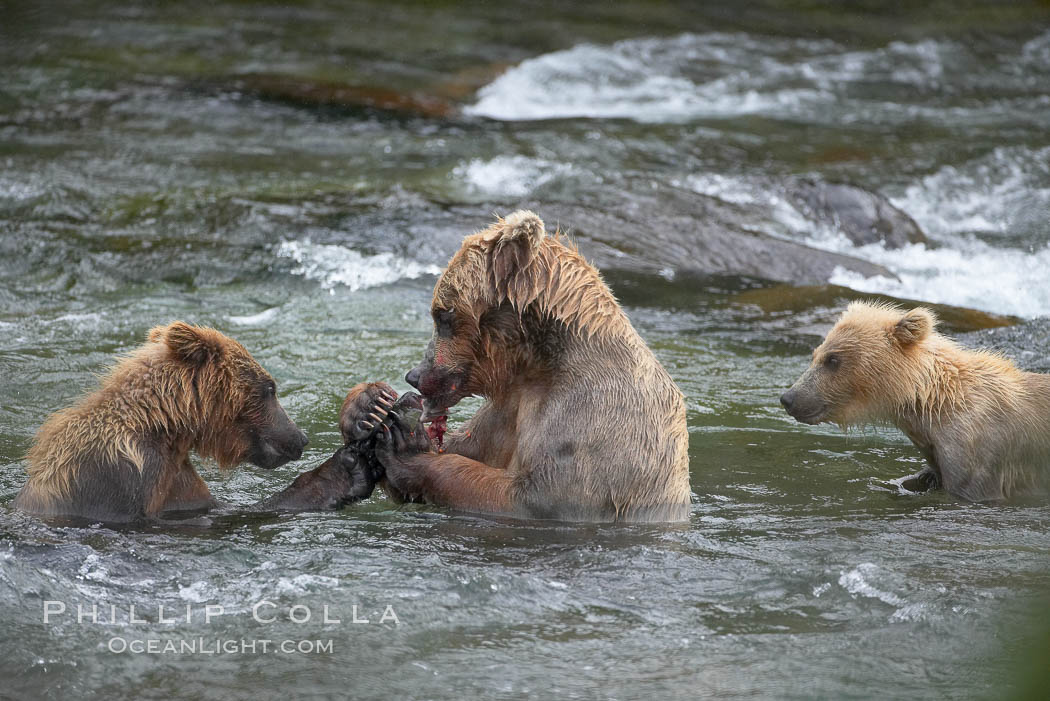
865	367
217	386
477	309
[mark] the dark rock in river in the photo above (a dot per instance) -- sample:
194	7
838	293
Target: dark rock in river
651	231
672	230
864	217
1027	343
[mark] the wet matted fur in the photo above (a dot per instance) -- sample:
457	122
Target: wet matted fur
581	422
122	452
982	424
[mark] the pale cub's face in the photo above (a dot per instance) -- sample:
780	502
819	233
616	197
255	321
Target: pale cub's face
850	379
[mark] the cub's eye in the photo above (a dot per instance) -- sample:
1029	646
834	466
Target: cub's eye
443	319
269	390
832	361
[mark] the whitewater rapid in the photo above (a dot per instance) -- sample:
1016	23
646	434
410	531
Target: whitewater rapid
987	219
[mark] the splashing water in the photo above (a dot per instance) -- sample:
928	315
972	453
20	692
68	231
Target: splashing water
334	266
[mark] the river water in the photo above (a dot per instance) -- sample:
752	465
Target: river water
146	176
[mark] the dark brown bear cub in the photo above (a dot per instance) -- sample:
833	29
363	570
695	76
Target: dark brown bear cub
123	452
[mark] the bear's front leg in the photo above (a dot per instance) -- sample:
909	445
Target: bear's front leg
346	477
414	472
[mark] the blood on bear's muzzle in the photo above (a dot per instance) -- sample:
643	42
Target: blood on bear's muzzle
438	385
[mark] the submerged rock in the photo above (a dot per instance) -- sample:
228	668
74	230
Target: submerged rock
864	217
833	298
676	243
1027	343
305	92
438	100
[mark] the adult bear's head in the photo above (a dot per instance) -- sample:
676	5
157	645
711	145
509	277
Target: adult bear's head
509	303
477	308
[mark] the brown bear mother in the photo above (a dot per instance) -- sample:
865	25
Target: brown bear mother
982	425
581	422
122	453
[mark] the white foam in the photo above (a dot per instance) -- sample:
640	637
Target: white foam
965	210
18	190
198	592
782	218
910	612
93	569
856	583
79	320
334	266
508	176
723	187
1036	52
649	80
1000	192
252	319
975	275
301	584
712	75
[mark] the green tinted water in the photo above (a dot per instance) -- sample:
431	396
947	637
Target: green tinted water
144	180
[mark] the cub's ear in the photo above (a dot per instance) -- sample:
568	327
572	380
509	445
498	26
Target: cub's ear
914	326
515	241
190	344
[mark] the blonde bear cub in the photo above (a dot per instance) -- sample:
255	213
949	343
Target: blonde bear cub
982	424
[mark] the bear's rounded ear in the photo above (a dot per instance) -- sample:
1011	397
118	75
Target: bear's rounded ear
522	226
914	326
190	344
515	241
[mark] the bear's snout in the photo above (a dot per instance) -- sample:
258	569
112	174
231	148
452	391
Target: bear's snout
292	447
283	443
805	406
302	440
412	377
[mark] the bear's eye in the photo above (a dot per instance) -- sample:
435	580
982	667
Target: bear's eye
832	361
269	390
443	319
